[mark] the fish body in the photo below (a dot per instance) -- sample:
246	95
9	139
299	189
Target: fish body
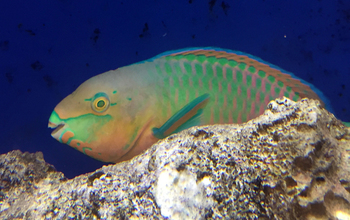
120	113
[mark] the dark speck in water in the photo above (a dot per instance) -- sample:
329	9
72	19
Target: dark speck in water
96	35
30	32
144	31
49	81
4	45
36	65
225	6
9	77
211	4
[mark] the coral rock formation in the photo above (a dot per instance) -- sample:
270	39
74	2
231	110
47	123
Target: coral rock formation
292	162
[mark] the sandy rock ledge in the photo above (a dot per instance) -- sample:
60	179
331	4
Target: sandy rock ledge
292	162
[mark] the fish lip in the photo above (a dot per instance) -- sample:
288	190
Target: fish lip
58	128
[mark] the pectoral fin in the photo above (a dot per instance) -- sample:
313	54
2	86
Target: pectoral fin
186	117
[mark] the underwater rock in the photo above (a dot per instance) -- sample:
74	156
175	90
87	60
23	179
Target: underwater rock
292	162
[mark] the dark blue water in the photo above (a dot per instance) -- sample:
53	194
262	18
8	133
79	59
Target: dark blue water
48	48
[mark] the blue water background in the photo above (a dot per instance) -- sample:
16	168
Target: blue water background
48	48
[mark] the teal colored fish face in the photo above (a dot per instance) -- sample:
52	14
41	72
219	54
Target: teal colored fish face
80	118
94	120
80	131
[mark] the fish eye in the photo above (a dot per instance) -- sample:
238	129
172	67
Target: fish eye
100	102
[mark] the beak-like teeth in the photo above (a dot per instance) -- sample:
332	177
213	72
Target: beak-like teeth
57	128
55	122
52	125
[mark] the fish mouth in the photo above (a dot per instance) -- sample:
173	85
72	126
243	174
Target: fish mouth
57	127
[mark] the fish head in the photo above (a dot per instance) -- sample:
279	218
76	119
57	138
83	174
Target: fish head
96	120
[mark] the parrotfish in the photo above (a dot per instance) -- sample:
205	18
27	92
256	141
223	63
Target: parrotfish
120	113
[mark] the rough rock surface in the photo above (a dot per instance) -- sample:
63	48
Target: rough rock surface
293	162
